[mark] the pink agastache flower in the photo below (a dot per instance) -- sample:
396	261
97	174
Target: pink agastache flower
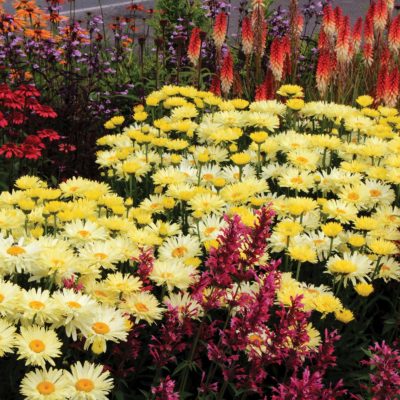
165	390
385	376
145	266
172	338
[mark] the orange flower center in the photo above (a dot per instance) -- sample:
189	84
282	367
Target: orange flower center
45	388
1	298
141	307
84	385
37	346
179	251
84	233
36	305
208	231
375	192
353	196
15	251
73	304
101	328
100	256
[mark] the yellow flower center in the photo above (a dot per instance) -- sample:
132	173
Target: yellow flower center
167	275
297	179
208	177
36	305
1	297
84	233
302	160
15	251
73	188
45	388
179	252
101	328
73	304
255	339
37	346
100	256
141	307
84	385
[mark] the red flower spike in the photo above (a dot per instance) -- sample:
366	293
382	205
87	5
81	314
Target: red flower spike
325	68
368	53
328	21
215	86
380	15
394	35
220	28
247	36
227	73
343	41
194	46
357	34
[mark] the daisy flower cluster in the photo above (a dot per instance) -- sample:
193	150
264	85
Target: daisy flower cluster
330	172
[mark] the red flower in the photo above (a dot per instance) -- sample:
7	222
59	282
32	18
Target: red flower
33	140
31	152
50	134
45	112
3	121
5	91
27	91
328	21
66	148
18	118
10	150
215	85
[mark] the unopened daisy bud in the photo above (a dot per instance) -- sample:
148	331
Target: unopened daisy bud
176	158
259	137
109	125
364	289
197	214
219	182
241	158
344	315
37	232
383	247
26	204
140	116
233	148
332	229
356	240
334	131
168	203
99	346
138	108
295	104
204	158
129	202
365	100
117	120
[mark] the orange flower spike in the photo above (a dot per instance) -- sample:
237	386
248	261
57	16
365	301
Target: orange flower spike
247	36
380	16
220	28
394	35
339	19
227	73
194	46
299	25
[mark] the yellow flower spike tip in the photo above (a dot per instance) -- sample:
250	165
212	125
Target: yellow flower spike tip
364	100
364	289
